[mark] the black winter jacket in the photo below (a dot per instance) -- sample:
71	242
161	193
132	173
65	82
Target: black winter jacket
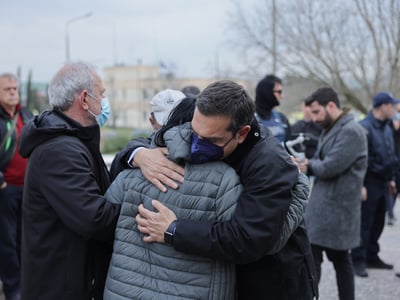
253	230
68	226
382	158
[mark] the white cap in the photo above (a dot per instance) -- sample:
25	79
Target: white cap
163	102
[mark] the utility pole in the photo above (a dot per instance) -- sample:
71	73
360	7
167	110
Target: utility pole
67	50
114	44
274	36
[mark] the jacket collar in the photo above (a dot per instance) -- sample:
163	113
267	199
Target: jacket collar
253	137
4	113
340	122
376	122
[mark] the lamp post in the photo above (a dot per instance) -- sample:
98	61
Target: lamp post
87	15
274	11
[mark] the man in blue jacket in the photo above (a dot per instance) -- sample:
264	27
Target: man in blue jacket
382	162
269	95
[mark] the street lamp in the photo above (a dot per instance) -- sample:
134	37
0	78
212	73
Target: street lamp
87	15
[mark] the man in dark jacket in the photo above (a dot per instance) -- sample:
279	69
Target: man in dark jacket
311	131
334	210
13	117
224	128
68	225
269	95
382	163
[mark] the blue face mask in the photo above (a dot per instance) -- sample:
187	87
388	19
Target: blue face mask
102	118
202	151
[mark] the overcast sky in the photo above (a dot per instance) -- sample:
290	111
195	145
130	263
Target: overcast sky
187	33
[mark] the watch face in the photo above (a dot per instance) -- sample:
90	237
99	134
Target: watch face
168	237
169	233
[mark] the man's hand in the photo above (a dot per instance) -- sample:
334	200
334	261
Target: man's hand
363	193
154	224
157	169
3	185
302	165
295	161
392	187
396	124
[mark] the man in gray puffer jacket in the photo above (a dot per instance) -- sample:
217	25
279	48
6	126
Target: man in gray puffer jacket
156	271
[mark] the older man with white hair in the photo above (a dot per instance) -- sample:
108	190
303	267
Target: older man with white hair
13	118
68	226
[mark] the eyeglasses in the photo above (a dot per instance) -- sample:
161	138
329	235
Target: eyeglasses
279	92
211	141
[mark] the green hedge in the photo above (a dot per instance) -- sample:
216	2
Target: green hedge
113	140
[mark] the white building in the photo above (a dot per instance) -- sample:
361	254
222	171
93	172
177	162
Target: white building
130	89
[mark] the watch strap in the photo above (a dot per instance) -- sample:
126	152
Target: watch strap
169	234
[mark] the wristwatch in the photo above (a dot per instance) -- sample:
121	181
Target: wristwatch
169	234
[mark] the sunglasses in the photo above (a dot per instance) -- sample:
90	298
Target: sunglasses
279	92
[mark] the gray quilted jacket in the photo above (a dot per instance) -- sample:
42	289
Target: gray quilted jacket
156	271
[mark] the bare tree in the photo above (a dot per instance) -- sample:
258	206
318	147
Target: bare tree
351	45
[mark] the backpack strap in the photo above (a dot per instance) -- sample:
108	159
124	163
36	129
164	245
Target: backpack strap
7	141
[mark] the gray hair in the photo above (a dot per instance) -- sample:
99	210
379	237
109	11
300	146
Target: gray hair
69	81
10	76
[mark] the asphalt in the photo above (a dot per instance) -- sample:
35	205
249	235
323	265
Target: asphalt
379	285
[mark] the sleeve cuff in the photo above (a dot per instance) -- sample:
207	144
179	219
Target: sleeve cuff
132	156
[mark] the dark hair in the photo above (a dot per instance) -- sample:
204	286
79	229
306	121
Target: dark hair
227	98
265	97
191	91
323	96
273	79
180	114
